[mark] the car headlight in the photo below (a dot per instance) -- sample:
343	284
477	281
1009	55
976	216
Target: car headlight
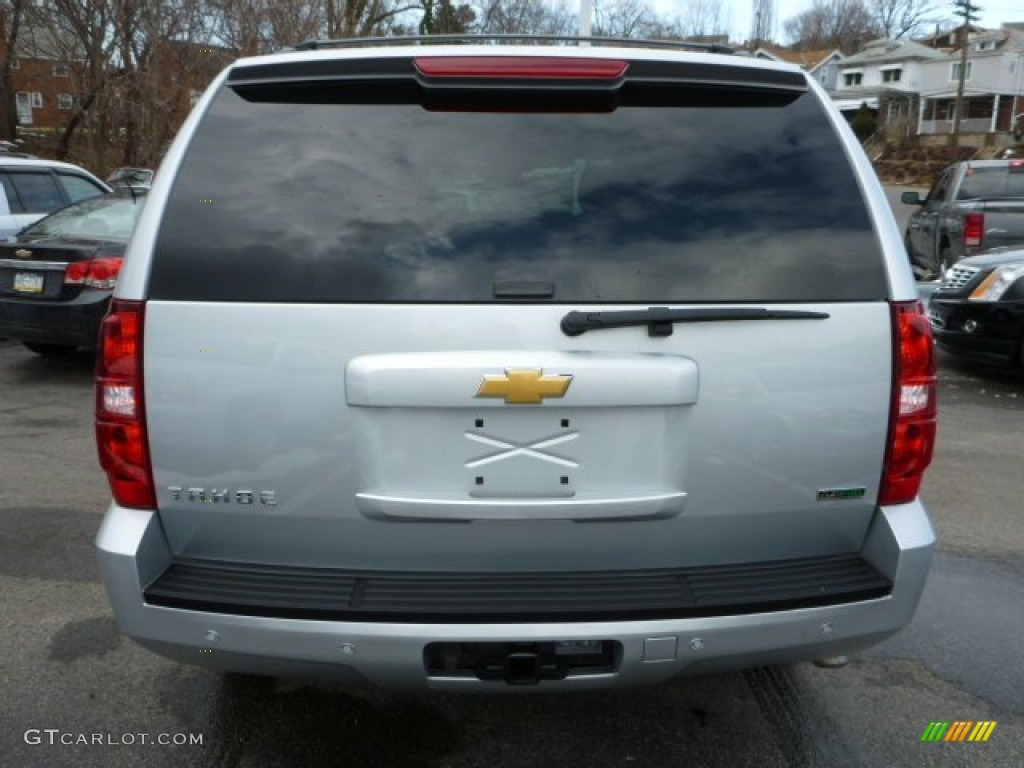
998	282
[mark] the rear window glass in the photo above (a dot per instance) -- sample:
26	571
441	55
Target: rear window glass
394	203
993	182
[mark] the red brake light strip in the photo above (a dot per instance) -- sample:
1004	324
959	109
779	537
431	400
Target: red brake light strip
520	67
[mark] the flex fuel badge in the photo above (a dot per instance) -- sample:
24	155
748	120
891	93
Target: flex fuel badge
839	494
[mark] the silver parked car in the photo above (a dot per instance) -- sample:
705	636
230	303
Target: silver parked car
472	366
31	187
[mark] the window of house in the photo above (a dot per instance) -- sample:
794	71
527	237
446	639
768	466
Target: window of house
65	101
853	78
60	69
37	100
955	71
891	75
15	64
986	45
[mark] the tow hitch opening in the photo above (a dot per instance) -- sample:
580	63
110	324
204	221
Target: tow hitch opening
522	663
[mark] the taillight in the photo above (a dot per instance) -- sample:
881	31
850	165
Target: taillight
121	438
520	67
974	229
100	272
913	411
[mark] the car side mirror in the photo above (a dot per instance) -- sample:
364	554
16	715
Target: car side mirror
911	198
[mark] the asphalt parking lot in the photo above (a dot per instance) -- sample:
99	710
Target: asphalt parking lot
78	694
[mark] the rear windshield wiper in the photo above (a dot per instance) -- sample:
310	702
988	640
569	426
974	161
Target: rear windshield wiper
660	320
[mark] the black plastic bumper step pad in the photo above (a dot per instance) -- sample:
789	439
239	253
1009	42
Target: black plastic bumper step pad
292	592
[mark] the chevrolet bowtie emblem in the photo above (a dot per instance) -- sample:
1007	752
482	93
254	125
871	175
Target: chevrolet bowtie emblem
524	386
22	253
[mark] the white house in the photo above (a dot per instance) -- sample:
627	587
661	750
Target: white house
993	85
884	67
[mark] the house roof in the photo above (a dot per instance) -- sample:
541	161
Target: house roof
808	60
883	51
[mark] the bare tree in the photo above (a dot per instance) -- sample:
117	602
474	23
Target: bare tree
514	17
13	19
624	18
843	24
442	17
359	18
902	18
703	18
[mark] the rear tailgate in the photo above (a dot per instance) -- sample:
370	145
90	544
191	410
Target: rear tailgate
354	354
296	441
1003	223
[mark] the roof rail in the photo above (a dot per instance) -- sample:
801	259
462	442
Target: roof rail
498	39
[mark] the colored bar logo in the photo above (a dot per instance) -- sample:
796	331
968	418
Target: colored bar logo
959	730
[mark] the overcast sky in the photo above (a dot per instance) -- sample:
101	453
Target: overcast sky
994	13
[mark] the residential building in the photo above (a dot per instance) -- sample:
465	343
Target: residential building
887	76
822	65
993	84
45	71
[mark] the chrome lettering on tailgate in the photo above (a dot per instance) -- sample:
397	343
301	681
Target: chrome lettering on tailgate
223	495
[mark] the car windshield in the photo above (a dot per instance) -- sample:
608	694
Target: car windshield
1000	181
108	218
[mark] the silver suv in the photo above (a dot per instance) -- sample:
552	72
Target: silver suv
471	366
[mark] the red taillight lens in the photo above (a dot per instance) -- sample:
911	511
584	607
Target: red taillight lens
76	272
103	271
100	272
520	67
974	229
913	410
121	438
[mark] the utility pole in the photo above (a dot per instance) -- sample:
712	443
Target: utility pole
966	10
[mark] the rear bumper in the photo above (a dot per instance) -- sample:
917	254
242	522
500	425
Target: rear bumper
75	322
133	554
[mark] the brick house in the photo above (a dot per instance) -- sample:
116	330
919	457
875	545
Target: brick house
135	113
44	75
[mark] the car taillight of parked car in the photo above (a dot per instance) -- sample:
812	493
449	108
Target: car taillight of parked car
912	418
121	437
974	229
100	272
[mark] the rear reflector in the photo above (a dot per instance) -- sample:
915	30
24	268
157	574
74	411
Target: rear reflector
974	229
520	67
912	414
121	438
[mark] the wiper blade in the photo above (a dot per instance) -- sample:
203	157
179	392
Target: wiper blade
660	320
